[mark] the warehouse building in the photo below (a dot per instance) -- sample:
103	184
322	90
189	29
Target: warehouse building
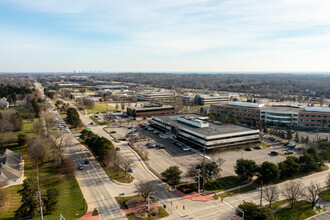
197	131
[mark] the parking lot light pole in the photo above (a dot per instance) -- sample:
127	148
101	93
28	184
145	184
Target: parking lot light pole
199	183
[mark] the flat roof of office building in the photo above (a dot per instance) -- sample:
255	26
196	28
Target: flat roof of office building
212	129
151	107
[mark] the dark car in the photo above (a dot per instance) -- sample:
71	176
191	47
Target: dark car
112	132
86	162
117	148
286	144
160	146
151	146
288	152
274	153
258	147
248	149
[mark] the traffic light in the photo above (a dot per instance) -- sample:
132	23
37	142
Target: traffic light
171	203
175	186
184	208
176	207
165	188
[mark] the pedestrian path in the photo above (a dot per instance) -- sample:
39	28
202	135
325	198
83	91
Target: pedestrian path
193	196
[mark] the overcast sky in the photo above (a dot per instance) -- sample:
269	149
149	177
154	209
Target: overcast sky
164	35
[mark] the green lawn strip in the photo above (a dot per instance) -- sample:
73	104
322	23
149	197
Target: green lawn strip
13	202
224	183
277	204
253	186
325	194
97	121
100	107
27	128
118	175
306	211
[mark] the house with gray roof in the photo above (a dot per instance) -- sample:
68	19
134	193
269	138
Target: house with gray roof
11	169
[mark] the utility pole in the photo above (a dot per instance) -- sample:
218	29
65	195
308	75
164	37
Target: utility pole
204	165
148	203
261	195
39	196
199	182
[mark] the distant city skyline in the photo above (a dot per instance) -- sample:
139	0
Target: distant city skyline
165	36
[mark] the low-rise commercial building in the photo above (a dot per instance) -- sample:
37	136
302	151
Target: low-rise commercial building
155	95
206	99
315	117
195	130
150	109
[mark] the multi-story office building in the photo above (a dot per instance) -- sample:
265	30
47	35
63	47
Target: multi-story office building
151	109
315	117
155	95
206	99
309	117
196	131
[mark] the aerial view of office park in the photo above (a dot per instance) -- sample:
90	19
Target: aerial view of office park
140	110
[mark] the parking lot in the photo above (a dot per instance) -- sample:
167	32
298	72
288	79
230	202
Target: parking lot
171	155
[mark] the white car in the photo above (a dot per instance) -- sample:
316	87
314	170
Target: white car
185	148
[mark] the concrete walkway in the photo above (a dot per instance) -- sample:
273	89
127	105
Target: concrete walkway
193	196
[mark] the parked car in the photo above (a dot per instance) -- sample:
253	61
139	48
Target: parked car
248	149
274	153
86	162
168	133
288	152
286	144
296	147
151	146
160	146
155	132
112	132
258	147
117	148
130	170
185	148
81	167
150	129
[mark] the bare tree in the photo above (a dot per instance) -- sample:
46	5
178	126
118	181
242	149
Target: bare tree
38	149
311	192
292	192
270	194
126	163
220	162
38	127
111	158
60	144
192	171
145	188
50	123
67	167
88	102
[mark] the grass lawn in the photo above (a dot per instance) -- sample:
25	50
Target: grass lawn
306	211
100	107
27	128
224	183
119	176
71	200
277	204
325	194
97	121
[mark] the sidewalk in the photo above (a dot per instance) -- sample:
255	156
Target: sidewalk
193	196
